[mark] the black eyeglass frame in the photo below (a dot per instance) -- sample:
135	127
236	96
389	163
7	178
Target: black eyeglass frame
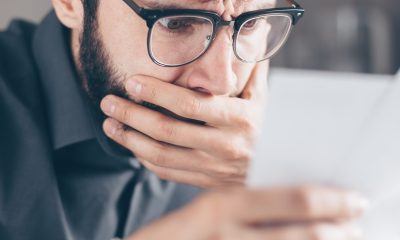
151	16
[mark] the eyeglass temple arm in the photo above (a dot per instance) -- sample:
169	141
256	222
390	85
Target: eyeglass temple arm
294	3
296	6
134	6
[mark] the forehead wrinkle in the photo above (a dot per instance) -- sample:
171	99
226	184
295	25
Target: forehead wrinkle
241	6
163	4
208	1
257	4
219	6
159	4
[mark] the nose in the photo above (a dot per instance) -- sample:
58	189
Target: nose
214	72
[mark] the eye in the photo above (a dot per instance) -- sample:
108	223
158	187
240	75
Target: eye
174	24
250	24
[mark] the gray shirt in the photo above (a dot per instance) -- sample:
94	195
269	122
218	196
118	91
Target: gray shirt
60	177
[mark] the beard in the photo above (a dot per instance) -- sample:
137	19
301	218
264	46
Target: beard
100	77
97	73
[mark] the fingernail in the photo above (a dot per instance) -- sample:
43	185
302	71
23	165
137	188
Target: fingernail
108	106
110	127
134	87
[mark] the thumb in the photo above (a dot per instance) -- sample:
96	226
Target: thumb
257	86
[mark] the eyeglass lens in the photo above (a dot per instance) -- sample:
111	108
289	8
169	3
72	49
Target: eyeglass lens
177	40
261	37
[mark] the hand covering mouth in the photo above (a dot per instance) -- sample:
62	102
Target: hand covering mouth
170	114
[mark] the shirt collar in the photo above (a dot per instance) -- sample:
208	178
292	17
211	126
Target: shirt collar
67	116
70	116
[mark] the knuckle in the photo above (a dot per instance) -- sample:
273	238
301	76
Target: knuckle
160	173
305	199
121	134
166	130
159	156
229	171
235	150
222	172
152	92
190	106
126	115
246	125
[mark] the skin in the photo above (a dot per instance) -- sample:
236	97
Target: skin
215	155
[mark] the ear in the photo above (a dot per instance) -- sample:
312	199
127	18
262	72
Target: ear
69	12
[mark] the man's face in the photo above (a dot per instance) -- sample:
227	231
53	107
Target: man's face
116	48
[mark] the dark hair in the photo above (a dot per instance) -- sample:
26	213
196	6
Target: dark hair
99	74
90	11
96	67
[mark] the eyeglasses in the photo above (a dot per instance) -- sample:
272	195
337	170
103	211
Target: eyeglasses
177	37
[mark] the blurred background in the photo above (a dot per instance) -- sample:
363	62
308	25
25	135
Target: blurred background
345	35
33	10
342	35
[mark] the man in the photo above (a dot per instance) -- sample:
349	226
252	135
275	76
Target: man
114	115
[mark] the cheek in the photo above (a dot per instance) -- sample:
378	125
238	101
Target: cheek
124	35
243	72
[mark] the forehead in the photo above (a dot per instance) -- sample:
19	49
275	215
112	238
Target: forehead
214	5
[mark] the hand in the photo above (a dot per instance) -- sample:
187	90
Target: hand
212	155
307	213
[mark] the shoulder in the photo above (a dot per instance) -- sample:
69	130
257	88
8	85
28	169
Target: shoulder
18	74
20	98
15	48
16	62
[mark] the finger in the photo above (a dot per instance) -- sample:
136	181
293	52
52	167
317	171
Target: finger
166	129
298	204
190	178
256	92
256	87
322	231
160	156
214	110
161	127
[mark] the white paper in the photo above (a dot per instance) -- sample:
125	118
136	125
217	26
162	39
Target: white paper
339	130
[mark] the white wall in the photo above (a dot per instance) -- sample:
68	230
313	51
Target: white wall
33	10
